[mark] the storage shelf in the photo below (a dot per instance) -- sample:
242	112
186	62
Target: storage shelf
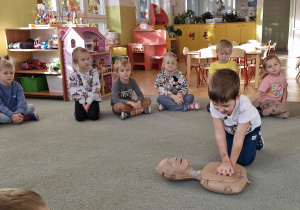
36	71
32	50
99	53
44	93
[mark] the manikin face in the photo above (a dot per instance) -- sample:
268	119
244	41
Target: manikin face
273	67
124	73
7	76
170	65
83	61
173	166
223	56
225	108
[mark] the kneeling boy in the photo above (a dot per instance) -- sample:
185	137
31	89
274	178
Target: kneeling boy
236	122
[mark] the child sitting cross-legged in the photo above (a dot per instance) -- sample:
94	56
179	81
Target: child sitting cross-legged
173	87
272	91
13	106
122	90
236	122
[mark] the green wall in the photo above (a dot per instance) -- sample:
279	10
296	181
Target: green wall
122	19
14	13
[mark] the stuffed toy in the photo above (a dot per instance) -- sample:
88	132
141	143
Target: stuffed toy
177	169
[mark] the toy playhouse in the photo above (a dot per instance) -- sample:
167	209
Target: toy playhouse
86	37
148	49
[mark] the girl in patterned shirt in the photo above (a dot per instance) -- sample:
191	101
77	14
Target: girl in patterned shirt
173	88
84	86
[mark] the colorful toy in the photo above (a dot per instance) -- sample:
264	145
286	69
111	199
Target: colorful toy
38	42
33	64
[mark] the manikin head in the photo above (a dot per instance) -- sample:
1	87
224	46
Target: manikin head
174	169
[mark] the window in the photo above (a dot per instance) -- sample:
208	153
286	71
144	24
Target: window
213	6
73	44
92	10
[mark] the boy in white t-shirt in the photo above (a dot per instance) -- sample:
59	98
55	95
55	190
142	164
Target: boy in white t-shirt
236	122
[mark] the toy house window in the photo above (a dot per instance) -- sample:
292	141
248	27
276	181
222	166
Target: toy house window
73	43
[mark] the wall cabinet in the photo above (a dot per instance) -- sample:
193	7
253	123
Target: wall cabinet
198	36
190	37
240	32
16	56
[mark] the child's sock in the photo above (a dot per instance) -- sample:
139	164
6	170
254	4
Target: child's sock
32	116
194	106
161	107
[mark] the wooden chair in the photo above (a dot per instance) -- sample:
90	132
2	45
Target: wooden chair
193	65
239	56
297	68
252	68
205	58
273	49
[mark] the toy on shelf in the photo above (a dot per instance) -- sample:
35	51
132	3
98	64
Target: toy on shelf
29	44
38	42
33	64
55	66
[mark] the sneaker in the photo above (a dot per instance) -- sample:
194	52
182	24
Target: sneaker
208	107
147	110
32	116
125	115
161	107
260	111
194	106
260	143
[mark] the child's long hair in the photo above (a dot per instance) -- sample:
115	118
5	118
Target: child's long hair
75	55
264	65
6	64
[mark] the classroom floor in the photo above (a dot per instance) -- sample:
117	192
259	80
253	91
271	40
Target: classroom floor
146	79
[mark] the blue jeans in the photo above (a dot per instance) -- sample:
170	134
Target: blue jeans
5	119
172	106
248	152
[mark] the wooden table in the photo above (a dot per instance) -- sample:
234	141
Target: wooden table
194	54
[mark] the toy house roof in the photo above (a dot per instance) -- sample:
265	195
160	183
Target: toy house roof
143	24
81	30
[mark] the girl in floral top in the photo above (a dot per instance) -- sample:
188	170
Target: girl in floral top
84	86
173	88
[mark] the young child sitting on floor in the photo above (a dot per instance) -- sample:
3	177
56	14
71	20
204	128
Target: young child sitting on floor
84	86
122	90
236	122
272	92
224	50
13	106
173	88
21	199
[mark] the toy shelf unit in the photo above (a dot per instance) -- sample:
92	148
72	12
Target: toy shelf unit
149	47
33	62
91	39
157	16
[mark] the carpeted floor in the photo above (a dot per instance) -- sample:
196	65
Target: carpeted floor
110	163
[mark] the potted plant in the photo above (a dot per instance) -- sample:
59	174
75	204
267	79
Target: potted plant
190	15
182	17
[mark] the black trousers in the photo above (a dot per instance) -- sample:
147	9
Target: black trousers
93	113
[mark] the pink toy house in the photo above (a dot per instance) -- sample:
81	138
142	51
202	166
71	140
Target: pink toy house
86	37
148	49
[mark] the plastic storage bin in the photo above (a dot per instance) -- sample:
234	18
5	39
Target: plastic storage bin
55	84
34	84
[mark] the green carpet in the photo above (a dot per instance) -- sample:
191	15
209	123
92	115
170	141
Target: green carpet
110	163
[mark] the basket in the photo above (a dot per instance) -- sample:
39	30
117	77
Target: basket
34	84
